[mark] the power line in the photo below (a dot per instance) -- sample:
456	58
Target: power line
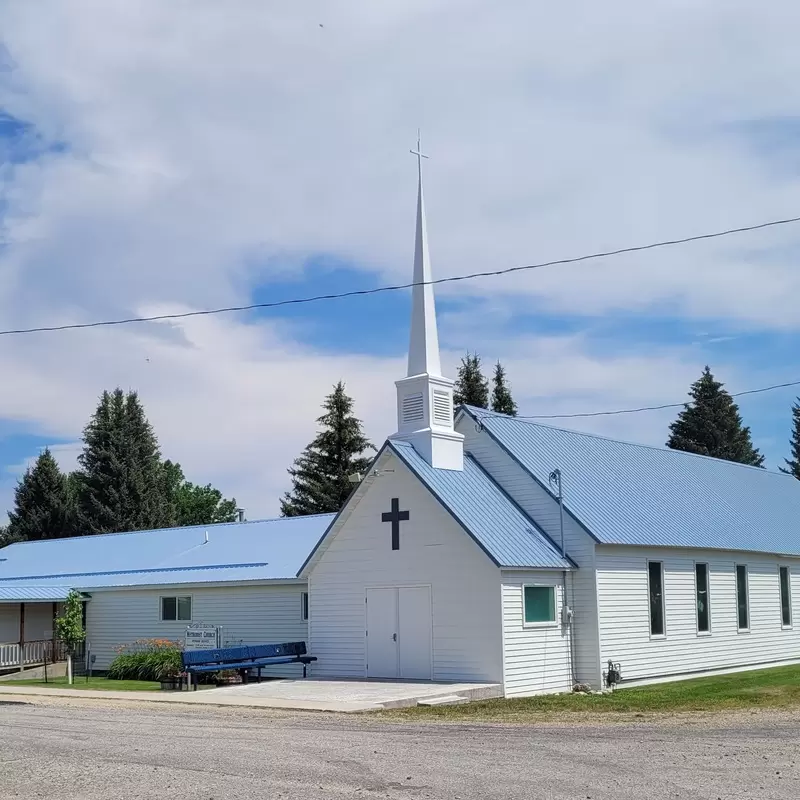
651	408
397	287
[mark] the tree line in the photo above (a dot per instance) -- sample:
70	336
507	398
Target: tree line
121	484
709	424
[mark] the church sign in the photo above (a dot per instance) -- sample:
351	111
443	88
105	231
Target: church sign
202	636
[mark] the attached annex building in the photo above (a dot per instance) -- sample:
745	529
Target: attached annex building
452	559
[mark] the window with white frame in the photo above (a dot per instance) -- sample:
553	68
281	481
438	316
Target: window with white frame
702	593
655	583
742	601
539	605
304	606
786	596
176	609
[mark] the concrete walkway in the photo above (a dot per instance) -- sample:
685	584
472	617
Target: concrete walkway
302	695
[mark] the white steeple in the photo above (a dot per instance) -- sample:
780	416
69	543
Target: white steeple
424	397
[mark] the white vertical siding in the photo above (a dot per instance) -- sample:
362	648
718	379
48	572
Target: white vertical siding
543	509
248	614
434	551
9	622
537	659
625	612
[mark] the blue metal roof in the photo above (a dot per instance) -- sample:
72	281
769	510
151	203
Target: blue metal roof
498	525
236	551
640	495
32	594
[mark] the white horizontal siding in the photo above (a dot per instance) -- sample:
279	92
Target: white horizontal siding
434	551
253	614
537	659
625	612
543	509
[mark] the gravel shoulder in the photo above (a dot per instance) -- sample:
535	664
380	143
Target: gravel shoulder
71	748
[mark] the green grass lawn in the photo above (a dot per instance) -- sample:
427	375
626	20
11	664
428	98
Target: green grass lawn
768	688
102	684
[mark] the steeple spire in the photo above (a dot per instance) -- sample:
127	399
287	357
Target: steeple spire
424	397
423	349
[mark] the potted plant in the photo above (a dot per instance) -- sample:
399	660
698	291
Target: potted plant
227	677
173	681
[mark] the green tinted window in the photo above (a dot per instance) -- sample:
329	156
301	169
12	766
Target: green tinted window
540	604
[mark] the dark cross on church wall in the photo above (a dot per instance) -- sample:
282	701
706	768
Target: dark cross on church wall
395	516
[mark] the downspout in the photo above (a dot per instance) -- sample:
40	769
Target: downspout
567	615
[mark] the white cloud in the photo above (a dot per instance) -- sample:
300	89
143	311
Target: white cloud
211	147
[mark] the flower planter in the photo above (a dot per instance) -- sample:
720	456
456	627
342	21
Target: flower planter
171	684
228	680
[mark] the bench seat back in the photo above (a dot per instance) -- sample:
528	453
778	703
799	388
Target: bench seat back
242	653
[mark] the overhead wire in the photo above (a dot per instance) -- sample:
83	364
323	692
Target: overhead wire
399	286
652	408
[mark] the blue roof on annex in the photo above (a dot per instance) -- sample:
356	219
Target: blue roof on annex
237	551
632	494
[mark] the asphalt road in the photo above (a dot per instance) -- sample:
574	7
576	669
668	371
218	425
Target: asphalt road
82	751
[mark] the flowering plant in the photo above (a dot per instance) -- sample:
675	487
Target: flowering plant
147	660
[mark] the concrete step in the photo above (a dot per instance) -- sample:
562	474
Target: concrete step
447	700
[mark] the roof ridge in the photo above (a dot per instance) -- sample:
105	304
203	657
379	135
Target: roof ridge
482	413
95	536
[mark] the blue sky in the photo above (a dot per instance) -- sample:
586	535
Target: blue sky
138	176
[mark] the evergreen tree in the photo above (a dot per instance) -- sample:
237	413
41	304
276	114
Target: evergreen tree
320	474
7	538
121	484
471	387
43	506
502	401
793	463
194	504
711	425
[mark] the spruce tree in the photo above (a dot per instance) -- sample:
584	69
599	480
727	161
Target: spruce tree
120	483
502	401
471	388
793	463
711	425
320	474
42	503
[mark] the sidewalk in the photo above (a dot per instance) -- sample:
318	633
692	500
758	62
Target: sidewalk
343	696
207	697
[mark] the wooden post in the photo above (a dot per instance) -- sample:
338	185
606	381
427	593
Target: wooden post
21	637
55	616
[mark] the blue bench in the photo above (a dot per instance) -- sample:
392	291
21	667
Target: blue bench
245	658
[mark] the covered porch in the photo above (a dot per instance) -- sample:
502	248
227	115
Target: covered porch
27	626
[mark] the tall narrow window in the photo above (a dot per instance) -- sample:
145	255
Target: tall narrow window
742	610
304	606
701	588
655	576
786	597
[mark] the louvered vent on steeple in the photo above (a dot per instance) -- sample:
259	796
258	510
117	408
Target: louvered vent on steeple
442	407
413	408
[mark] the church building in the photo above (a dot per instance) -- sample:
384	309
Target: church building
477	548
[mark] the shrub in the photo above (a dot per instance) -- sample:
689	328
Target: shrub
147	660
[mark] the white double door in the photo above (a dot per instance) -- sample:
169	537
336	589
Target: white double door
399	632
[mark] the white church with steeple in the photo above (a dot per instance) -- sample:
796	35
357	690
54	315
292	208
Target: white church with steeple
456	558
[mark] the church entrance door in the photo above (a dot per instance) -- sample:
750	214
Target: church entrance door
399	628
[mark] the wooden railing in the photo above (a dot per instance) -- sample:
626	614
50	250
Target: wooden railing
29	654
